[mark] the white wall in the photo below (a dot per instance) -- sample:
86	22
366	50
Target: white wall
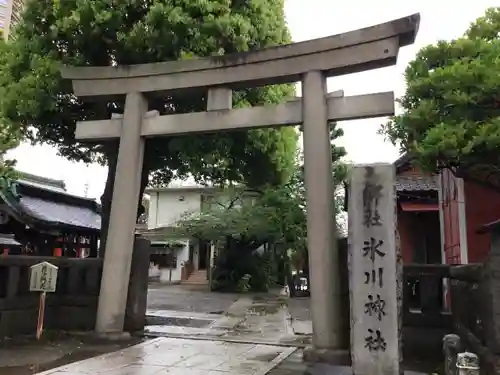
168	207
182	256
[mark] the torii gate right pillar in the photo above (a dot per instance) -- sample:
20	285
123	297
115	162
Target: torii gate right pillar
321	239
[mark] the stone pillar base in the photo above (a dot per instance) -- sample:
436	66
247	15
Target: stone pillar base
337	357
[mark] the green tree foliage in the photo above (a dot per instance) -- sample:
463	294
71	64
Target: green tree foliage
248	221
451	108
10	134
111	32
274	216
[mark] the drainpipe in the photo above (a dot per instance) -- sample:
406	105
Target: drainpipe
210	265
157	207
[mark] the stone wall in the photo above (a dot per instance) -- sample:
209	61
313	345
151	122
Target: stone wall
73	306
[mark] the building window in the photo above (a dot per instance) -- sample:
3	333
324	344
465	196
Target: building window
163	256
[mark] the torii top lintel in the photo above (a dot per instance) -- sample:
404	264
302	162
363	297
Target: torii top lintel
368	48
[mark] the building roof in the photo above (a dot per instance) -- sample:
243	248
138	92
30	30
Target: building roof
42	182
48	209
403	162
189	185
412	183
405	184
8	240
61	213
416	183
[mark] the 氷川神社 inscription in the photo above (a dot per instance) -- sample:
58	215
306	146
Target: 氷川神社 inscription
374	271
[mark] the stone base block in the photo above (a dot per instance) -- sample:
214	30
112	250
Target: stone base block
337	357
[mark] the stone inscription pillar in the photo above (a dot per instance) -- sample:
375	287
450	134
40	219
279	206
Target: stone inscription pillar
321	238
374	271
120	242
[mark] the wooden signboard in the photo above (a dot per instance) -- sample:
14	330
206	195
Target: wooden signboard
43	279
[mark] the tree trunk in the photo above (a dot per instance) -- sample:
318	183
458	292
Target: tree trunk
111	153
144	182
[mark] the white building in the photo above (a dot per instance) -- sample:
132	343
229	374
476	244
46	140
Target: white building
174	259
10	15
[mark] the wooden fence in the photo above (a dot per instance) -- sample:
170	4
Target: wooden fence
475	315
426	319
429	313
73	306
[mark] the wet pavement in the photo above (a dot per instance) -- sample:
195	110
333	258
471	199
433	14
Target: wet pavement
170	356
33	357
294	365
262	319
300	313
300	308
196	332
188	299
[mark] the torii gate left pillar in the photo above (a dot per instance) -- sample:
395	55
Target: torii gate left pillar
123	217
311	62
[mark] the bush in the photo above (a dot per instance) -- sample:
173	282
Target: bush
244	284
238	271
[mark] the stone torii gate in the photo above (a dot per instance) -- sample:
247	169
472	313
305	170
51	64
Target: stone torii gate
310	62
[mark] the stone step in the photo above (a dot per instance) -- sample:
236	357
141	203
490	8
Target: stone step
198	275
197	278
191	282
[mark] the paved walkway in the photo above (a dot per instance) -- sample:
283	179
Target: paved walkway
256	335
187	298
175	356
262	319
170	356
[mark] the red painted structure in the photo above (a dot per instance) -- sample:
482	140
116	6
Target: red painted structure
440	216
471	199
418	214
451	198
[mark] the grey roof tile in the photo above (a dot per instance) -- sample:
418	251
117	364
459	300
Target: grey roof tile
8	239
416	183
62	213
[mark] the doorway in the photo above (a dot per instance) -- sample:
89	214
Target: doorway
204	253
427	238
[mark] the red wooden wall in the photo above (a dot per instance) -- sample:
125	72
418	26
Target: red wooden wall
482	206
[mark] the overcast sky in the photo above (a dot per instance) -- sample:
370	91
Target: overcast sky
308	19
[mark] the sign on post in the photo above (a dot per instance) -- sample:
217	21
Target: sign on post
43	279
375	271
